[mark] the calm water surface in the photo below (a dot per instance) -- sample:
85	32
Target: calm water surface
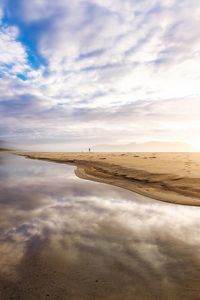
65	238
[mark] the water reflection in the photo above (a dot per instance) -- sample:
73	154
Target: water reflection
66	238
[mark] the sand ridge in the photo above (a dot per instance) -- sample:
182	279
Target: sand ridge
169	177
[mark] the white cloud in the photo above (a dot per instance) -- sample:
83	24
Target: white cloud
13	57
92	46
103	58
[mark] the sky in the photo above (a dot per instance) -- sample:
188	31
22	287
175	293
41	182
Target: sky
82	73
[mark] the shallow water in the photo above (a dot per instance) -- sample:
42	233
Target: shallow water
66	238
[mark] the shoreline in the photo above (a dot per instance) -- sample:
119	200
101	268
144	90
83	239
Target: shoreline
114	169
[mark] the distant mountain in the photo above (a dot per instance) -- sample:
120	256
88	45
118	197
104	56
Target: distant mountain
151	146
4	146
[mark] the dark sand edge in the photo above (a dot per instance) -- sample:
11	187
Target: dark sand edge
151	191
160	187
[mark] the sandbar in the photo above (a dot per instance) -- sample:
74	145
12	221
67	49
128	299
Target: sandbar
168	177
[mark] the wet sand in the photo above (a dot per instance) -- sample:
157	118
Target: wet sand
168	177
63	238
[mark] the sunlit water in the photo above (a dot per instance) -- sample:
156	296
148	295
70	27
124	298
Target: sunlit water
66	238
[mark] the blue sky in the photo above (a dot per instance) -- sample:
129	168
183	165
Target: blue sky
78	73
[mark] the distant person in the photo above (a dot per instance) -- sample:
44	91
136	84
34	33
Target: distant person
89	149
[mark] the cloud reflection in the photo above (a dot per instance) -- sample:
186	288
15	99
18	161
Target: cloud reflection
66	238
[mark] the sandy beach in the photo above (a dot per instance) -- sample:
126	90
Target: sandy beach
168	177
66	238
